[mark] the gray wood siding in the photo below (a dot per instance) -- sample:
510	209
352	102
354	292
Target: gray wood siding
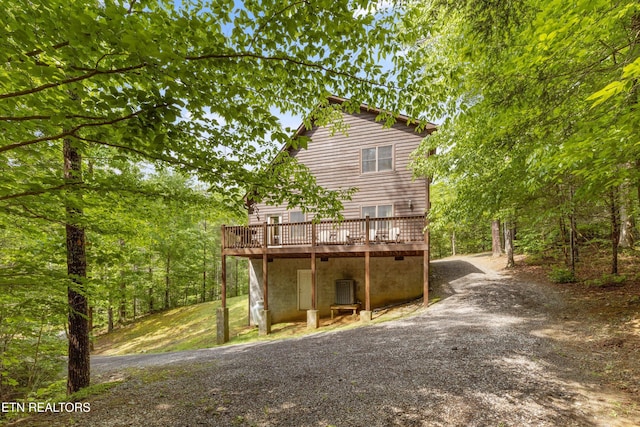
335	161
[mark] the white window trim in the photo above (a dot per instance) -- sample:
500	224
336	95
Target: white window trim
377	146
377	206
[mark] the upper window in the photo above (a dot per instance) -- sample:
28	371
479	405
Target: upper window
377	159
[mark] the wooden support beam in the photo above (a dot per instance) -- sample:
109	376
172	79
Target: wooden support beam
367	269
313	268
265	280
265	267
425	262
367	282
223	278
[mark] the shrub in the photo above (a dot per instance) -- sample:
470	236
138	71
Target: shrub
561	275
607	280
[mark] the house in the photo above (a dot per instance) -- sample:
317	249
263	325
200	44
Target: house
376	256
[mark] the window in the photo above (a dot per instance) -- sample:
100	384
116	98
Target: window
296	216
377	159
385	158
368	160
298	232
274	229
378	229
369	211
382	211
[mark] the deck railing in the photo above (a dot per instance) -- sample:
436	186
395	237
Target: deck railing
362	231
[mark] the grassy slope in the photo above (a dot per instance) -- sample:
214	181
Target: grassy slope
182	328
194	327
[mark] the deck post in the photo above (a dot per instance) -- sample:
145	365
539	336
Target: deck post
313	267
425	262
366	232
313	316
222	325
365	315
264	323
222	314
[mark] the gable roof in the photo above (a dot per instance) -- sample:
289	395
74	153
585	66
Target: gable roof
430	127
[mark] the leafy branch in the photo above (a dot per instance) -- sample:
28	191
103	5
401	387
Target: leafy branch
40	191
272	17
45	117
74	130
123	70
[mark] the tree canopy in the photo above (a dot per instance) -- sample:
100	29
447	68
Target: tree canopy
193	84
540	100
98	96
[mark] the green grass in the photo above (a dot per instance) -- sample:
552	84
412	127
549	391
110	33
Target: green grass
183	328
194	327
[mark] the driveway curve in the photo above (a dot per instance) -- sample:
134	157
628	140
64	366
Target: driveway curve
479	357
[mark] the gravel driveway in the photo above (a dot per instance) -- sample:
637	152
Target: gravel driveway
480	357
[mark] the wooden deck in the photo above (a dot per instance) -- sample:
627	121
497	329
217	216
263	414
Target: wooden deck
365	237
352	237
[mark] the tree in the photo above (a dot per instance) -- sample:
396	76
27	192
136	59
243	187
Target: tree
535	94
496	246
190	85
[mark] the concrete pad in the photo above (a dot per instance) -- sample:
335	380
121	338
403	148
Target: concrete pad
365	316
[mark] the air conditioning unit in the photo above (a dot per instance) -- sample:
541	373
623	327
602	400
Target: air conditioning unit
345	291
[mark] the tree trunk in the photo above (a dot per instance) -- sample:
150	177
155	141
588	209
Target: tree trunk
627	232
110	318
573	233
204	264
453	242
91	347
167	282
150	290
627	227
573	243
508	243
122	308
615	230
150	299
638	183
565	238
212	290
496	246
79	362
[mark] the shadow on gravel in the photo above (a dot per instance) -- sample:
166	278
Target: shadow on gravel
450	270
477	359
443	272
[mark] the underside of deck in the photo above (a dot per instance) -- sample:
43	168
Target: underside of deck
331	251
363	237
